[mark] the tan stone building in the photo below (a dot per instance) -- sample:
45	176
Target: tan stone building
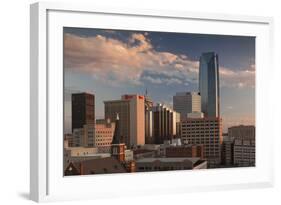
98	135
104	131
131	111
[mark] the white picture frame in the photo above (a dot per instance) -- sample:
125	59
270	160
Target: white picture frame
46	177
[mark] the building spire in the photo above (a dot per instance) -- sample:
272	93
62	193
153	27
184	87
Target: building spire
116	137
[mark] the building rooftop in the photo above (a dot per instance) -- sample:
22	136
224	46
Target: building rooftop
204	119
95	166
141	151
169	159
245	142
242	126
186	93
116	101
99	155
80	148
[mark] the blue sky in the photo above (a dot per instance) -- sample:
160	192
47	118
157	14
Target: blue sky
110	63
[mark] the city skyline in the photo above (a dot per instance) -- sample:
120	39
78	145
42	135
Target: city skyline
110	63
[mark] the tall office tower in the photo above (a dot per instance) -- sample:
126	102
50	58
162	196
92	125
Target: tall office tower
131	118
165	123
209	84
186	102
206	132
242	132
148	104
83	110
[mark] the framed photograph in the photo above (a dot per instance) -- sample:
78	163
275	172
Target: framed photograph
131	102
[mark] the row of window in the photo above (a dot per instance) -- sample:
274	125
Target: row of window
199	125
103	139
200	133
244	150
102	144
104	132
200	128
196	137
157	168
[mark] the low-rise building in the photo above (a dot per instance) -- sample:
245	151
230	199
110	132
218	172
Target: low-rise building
167	164
185	151
80	151
244	153
144	153
95	166
75	154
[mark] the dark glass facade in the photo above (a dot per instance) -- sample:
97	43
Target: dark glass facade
83	110
209	84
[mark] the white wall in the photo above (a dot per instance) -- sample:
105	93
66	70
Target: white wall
14	103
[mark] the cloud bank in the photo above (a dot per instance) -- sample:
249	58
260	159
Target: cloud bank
137	62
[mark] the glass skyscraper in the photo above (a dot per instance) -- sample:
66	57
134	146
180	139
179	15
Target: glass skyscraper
209	84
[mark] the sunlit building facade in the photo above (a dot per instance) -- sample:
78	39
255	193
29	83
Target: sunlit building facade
131	111
206	132
186	102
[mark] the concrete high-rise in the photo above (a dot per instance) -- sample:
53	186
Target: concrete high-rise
206	132
186	102
165	123
82	110
209	84
131	111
